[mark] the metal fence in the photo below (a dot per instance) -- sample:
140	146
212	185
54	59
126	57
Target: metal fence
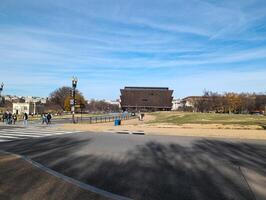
104	118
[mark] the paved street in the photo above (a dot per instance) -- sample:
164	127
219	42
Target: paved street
153	167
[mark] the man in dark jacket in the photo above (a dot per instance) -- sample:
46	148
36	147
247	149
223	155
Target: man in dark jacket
25	119
49	117
9	118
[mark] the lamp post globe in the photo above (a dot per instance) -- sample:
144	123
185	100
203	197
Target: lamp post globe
74	82
2	86
1	89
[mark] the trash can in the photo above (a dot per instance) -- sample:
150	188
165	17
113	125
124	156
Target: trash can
117	122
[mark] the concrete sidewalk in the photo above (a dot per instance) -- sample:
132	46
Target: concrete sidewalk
21	180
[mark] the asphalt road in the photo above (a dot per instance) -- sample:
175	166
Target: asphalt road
152	167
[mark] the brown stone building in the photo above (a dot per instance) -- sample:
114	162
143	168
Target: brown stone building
146	98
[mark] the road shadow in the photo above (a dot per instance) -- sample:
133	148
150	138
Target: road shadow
206	170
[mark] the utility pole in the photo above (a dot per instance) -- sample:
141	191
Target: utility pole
73	100
1	89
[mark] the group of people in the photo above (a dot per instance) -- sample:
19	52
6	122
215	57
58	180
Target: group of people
46	118
9	118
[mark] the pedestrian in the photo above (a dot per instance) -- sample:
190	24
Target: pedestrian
25	119
43	118
9	118
142	116
3	117
6	116
14	118
49	117
46	120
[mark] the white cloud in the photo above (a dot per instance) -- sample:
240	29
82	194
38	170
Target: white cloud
104	40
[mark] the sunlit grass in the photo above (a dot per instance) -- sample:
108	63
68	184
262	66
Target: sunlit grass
179	118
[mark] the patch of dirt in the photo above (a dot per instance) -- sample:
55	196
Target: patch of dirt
200	130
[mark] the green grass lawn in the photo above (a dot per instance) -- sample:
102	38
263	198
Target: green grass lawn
179	118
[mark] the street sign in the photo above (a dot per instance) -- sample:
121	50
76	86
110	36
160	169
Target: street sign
71	101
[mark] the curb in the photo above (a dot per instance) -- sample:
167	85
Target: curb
130	132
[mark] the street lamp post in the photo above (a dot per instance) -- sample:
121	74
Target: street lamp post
74	85
1	89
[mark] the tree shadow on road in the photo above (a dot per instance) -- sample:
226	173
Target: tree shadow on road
248	155
206	170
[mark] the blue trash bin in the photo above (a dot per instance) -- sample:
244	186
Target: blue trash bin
117	122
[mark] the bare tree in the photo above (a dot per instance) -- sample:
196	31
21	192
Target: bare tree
59	96
230	102
102	106
260	102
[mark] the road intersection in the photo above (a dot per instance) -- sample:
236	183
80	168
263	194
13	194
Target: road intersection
148	167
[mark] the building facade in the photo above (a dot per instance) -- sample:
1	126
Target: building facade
176	104
29	108
146	99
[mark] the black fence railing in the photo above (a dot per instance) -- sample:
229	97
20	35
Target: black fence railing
104	118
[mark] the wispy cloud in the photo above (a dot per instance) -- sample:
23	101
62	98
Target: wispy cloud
129	42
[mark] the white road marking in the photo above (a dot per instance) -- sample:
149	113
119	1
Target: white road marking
19	133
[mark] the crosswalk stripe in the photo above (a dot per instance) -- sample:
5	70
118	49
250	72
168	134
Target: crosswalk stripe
31	129
5	136
30	133
25	135
19	133
35	130
1	140
25	131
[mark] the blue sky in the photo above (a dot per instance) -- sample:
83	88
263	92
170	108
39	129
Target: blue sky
187	45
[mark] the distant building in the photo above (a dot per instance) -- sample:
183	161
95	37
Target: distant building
190	101
30	108
30	99
27	99
113	102
146	99
176	104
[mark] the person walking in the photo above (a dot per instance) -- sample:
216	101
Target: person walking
14	118
9	118
6	117
25	119
43	118
49	117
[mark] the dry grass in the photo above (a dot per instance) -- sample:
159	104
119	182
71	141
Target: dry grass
180	118
199	130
